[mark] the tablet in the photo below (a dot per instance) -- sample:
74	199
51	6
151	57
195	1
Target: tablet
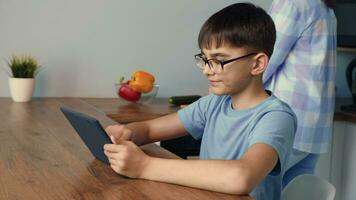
90	131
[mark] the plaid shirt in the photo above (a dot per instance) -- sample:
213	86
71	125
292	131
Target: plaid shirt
301	71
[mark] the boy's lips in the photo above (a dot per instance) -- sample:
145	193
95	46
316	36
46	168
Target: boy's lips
214	82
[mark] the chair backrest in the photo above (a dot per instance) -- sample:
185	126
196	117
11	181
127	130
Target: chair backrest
308	187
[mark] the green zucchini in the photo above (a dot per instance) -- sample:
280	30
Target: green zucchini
182	100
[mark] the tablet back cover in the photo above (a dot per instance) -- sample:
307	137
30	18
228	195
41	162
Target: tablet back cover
90	131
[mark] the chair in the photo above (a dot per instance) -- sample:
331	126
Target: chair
308	187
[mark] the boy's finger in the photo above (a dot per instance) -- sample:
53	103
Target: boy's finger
118	128
116	140
112	147
126	135
111	159
108	153
112	130
113	139
126	142
109	129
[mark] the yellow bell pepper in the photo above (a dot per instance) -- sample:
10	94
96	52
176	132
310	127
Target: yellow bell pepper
142	81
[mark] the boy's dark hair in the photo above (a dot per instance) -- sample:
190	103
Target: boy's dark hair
239	25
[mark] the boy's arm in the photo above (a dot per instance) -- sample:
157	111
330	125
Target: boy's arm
227	176
162	128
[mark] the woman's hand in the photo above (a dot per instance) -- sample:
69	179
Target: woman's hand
126	158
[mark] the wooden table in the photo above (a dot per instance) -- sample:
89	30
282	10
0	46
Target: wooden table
126	112
41	157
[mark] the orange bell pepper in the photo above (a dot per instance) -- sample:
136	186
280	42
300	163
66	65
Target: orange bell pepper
142	81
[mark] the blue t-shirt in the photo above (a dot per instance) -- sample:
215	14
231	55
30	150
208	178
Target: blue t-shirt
227	133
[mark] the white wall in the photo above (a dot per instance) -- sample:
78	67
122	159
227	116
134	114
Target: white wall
87	45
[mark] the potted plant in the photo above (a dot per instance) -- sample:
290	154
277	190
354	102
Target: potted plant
22	82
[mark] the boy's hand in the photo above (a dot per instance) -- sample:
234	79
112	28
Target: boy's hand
118	133
126	158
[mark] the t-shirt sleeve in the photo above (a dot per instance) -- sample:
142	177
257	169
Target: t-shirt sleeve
193	117
277	129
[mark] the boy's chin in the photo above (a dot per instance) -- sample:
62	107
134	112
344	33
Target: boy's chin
217	91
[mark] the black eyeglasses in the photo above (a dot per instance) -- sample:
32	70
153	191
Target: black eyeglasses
215	65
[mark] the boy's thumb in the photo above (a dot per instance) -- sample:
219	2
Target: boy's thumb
112	139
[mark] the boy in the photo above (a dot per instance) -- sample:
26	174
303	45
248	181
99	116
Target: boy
246	132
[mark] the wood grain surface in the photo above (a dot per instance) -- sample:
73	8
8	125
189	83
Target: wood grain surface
41	157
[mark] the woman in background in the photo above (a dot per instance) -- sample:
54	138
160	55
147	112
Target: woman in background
301	72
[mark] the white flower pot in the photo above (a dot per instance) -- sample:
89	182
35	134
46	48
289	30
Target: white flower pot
21	89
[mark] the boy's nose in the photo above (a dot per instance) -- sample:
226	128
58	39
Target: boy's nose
207	70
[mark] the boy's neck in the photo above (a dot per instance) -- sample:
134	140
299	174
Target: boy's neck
249	97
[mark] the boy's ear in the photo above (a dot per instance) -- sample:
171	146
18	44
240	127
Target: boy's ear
260	64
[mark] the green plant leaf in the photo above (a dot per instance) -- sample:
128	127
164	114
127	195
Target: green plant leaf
23	66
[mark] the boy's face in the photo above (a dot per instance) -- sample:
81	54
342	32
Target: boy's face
235	76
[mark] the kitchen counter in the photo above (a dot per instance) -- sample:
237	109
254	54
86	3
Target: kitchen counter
342	115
